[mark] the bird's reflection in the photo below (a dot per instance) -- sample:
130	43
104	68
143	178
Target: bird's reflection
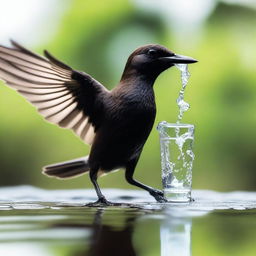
111	240
111	232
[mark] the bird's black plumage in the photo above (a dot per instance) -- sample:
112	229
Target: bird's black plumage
116	123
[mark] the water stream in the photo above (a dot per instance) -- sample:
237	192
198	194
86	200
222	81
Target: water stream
183	105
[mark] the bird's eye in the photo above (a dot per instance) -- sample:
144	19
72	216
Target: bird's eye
152	52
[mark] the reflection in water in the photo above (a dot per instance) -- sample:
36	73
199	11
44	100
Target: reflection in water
111	231
175	237
56	223
107	240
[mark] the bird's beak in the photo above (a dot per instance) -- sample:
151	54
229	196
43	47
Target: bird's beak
178	59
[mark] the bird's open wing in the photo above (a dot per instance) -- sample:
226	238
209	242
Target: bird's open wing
62	95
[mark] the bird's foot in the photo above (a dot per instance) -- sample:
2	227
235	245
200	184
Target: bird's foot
102	201
158	195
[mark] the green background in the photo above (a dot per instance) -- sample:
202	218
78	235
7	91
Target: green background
97	38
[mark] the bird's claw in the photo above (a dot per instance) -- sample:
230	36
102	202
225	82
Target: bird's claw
102	201
158	195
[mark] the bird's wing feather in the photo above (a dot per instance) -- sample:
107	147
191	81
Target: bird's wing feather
62	95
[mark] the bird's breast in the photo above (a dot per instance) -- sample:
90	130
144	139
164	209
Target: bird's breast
134	110
126	126
135	102
131	117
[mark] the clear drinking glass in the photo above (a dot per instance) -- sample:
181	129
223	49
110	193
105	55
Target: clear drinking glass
177	157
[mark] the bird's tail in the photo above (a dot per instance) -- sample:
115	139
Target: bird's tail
67	170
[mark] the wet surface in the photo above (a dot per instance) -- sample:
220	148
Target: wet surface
42	222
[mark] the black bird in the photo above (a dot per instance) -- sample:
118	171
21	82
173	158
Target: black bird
115	123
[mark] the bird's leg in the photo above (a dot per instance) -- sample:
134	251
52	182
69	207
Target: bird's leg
157	194
101	198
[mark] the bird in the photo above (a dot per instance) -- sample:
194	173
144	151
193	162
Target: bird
115	123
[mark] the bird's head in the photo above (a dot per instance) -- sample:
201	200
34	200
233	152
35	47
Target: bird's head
151	60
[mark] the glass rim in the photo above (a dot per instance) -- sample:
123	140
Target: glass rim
176	125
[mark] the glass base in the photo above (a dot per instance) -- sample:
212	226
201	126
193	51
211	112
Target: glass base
177	195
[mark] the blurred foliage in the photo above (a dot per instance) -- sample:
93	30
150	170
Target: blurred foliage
98	38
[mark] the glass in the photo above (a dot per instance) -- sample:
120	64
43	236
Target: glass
176	141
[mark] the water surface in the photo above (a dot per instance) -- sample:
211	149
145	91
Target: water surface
42	222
